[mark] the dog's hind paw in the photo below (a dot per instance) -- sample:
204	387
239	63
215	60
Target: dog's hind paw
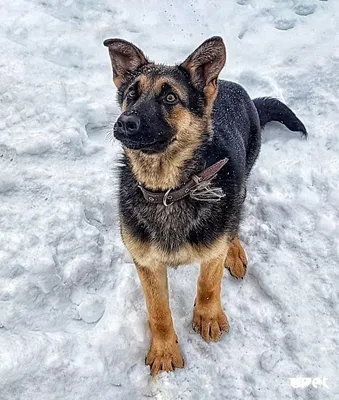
236	261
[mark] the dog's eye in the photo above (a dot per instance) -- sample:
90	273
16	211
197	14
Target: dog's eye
171	98
131	94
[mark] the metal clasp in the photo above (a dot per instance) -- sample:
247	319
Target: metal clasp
169	197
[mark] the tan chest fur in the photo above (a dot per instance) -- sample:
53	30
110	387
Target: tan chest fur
149	254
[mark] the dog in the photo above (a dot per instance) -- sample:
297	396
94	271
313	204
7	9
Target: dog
189	143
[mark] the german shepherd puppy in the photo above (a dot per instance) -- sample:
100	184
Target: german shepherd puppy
190	142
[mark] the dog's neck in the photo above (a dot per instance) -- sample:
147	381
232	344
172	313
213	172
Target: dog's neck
173	167
161	172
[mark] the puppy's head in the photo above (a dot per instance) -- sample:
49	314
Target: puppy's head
164	108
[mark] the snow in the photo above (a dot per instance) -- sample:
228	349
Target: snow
73	323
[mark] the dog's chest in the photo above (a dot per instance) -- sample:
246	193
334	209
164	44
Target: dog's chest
174	235
170	227
185	222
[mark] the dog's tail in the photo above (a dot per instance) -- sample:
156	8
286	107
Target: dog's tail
270	109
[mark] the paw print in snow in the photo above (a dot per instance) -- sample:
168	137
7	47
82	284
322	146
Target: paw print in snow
305	8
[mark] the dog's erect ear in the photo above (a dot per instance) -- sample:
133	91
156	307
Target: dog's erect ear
206	62
125	58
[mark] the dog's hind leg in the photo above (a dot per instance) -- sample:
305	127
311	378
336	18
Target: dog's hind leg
236	260
208	317
164	353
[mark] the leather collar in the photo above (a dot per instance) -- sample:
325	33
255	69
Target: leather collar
170	196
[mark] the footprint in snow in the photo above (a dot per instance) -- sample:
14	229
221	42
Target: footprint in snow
92	309
305	8
284	21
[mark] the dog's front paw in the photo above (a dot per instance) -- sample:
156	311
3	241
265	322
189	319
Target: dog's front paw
210	322
164	356
236	260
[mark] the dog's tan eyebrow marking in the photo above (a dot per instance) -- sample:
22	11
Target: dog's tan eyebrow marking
144	82
159	83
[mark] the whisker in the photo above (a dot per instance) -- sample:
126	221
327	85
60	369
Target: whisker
110	136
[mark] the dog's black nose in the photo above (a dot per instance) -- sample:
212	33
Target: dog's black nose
128	124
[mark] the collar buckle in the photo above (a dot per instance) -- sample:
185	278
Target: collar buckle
169	197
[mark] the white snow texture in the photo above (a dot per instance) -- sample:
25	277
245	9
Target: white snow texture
73	323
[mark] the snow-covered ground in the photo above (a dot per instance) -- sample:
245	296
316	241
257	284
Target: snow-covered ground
73	323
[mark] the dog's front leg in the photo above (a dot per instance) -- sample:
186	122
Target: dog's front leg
236	260
164	353
208	317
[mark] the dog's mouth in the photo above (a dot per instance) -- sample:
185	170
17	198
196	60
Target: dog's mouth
155	146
